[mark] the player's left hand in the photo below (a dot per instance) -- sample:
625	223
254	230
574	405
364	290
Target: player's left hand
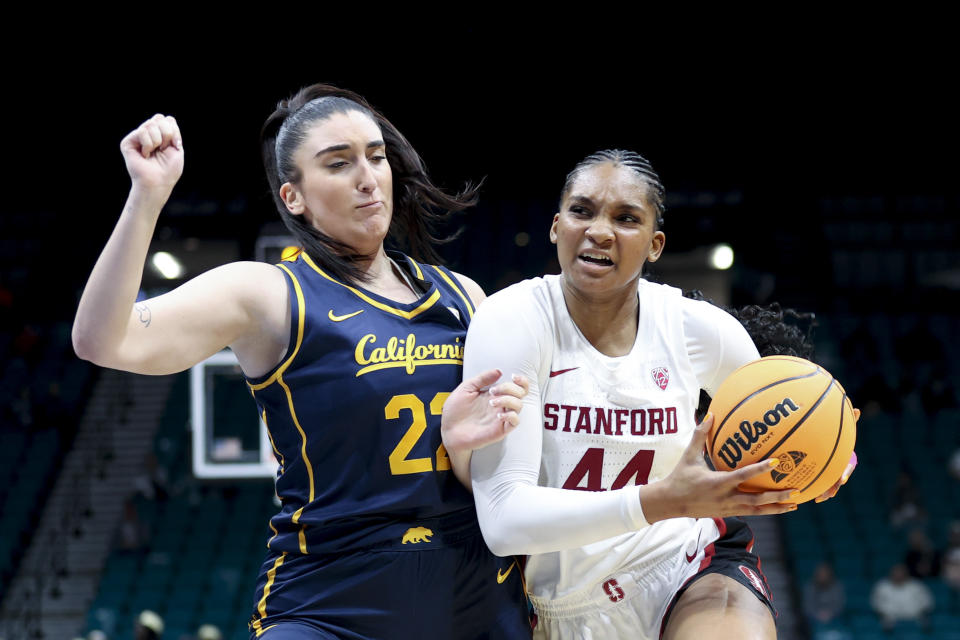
832	491
477	414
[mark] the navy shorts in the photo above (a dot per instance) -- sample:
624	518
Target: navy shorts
435	587
732	556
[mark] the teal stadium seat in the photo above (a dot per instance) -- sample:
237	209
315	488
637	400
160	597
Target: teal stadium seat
832	631
858	596
850	565
865	623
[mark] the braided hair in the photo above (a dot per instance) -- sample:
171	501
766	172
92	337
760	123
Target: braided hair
418	205
632	160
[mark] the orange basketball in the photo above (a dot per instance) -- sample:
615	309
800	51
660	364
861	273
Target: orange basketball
787	408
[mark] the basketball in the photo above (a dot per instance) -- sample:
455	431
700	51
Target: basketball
786	408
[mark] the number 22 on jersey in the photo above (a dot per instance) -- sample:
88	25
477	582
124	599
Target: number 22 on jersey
400	464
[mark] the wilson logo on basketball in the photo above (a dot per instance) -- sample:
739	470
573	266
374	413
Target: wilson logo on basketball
662	377
749	434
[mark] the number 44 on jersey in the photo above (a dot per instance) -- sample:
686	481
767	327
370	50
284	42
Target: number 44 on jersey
590	471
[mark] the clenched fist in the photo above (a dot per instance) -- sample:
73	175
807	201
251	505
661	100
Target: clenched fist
153	153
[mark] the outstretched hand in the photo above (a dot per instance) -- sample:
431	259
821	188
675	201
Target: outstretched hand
477	414
153	153
693	490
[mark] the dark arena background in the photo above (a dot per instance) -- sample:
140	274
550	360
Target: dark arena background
828	178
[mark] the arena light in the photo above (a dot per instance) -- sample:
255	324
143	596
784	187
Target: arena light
166	265
721	257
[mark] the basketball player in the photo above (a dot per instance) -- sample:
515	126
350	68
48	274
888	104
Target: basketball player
351	354
616	365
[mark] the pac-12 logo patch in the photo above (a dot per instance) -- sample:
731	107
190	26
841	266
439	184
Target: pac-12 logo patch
755	580
788	462
662	377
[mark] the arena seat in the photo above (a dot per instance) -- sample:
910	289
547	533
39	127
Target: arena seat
206	544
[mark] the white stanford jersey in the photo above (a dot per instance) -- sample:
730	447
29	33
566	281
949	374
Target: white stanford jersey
562	487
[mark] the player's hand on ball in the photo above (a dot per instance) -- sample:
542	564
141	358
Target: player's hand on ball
693	490
153	153
477	414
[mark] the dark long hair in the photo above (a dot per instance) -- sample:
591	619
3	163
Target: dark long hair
419	206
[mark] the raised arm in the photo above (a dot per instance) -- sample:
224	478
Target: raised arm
229	305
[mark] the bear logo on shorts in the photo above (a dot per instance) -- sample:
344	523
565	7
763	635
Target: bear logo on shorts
417	534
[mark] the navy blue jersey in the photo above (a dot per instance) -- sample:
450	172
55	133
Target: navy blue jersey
353	410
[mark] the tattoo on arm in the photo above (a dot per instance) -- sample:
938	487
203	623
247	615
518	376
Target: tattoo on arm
145	315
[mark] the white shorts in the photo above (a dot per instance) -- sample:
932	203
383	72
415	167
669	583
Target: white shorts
632	603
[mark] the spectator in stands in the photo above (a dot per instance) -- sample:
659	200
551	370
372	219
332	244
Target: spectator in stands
951	557
918	353
53	412
25	344
824	597
953	536
900	597
149	626
873	393
153	483
953	465
951	568
132	534
209	632
938	394
907	510
23	408
922	560
6	305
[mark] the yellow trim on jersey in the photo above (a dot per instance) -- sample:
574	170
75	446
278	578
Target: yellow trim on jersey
417	363
464	297
417	267
379	305
292	256
262	605
275	533
272	443
303	438
300	319
296	520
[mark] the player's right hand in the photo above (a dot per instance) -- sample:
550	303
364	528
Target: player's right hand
153	153
693	490
479	412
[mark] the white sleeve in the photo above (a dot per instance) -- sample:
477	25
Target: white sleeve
510	332
716	342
